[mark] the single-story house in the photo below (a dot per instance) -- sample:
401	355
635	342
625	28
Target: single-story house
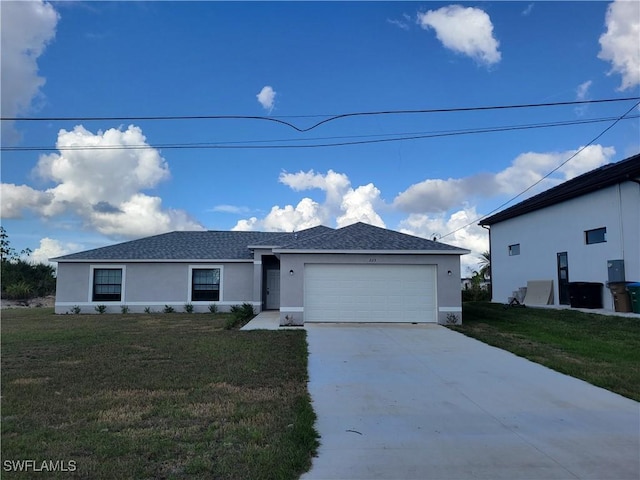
583	233
358	273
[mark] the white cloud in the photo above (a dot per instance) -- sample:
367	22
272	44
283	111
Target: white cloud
306	214
342	202
50	248
336	185
468	234
267	98
15	198
403	24
103	187
464	30
527	11
530	167
582	91
439	196
230	209
26	30
359	205
620	44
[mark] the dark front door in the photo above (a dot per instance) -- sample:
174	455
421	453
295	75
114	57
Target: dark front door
563	278
273	290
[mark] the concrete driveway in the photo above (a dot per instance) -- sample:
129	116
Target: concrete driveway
423	402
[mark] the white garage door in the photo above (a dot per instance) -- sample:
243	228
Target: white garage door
370	293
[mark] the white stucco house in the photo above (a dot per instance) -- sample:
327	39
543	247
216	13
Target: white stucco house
358	273
584	230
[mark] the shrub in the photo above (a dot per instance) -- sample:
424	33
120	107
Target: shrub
213	308
124	309
101	309
168	309
240	314
76	310
19	291
188	308
147	309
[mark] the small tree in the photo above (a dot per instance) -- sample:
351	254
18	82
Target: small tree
20	277
485	265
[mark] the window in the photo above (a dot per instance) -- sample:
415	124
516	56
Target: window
514	249
599	235
205	284
107	284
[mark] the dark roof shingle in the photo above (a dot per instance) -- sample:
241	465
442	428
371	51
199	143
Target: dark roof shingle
222	245
362	236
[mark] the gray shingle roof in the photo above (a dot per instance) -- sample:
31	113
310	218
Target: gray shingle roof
605	176
361	236
222	245
208	245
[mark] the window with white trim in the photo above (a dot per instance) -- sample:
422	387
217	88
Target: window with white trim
205	284
107	285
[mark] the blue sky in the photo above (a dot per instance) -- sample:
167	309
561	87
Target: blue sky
301	62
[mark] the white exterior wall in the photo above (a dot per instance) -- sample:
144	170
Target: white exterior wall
544	233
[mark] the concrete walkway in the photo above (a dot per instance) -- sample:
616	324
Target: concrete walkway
423	402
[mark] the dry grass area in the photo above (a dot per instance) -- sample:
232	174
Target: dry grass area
600	349
154	396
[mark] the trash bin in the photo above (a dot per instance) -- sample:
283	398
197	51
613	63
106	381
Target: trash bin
585	294
634	295
621	299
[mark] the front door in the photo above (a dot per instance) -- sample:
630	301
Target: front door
273	290
563	278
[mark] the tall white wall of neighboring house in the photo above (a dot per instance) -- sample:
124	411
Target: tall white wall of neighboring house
544	233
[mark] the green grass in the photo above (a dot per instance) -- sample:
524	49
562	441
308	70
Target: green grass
154	396
600	349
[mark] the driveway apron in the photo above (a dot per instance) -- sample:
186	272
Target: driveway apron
424	402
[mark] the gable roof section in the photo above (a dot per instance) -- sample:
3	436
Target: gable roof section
206	245
605	176
363	237
282	238
223	245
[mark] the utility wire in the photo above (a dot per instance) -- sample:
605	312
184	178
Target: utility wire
321	122
580	150
256	144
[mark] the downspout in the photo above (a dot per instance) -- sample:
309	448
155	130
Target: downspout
490	266
620	220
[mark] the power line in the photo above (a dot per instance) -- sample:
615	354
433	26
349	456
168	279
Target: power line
256	144
331	118
580	150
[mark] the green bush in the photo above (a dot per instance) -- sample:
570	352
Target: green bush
124	309
76	310
213	308
168	309
240	315
188	308
19	291
101	309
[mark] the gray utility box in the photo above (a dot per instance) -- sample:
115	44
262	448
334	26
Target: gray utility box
615	269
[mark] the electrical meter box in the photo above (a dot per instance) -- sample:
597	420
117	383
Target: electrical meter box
615	269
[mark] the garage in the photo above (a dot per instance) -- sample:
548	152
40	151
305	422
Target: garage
370	293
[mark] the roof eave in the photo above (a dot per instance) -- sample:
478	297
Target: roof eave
458	251
151	260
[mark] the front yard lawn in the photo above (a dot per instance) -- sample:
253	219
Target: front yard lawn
600	349
154	396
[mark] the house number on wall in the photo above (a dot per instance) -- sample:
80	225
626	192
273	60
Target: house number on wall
372	260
